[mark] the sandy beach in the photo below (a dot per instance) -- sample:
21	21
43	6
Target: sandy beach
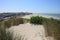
40	15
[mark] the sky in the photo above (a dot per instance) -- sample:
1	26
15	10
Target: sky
34	6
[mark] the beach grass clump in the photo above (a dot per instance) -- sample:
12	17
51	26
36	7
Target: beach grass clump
36	20
3	34
20	20
7	24
13	22
52	27
4	25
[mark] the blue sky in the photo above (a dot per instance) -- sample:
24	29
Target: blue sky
35	6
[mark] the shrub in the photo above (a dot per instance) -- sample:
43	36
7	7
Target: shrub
36	20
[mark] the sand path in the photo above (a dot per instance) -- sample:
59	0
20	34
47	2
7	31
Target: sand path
28	31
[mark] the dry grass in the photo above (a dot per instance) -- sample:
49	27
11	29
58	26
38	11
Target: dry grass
6	24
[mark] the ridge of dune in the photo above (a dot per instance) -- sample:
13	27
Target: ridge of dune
29	31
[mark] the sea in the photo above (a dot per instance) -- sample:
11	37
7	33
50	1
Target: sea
54	15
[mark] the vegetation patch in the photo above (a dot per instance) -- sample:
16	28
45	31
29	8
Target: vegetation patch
51	25
36	20
6	24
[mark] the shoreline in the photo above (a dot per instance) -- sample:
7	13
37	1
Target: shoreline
40	15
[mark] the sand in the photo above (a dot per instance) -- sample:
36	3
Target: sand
29	31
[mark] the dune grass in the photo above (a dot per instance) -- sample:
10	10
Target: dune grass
6	24
3	34
52	26
13	22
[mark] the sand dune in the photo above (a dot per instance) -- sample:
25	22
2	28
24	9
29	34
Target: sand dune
29	32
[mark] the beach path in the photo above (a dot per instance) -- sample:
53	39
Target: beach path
28	31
